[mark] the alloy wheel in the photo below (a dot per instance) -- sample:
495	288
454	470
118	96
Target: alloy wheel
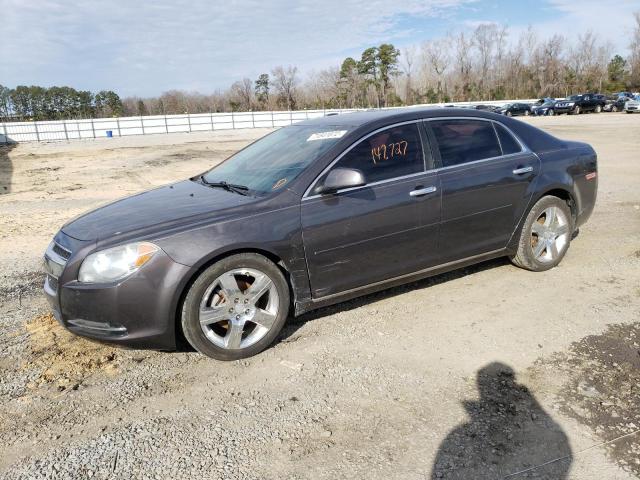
239	308
549	234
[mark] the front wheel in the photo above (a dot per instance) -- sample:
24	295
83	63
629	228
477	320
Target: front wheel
545	235
526	113
576	111
550	112
598	108
236	307
614	109
509	114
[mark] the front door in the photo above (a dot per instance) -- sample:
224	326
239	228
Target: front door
387	228
485	177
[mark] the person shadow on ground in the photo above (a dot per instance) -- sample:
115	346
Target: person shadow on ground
508	435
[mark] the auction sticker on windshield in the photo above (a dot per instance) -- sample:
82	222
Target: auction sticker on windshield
326	135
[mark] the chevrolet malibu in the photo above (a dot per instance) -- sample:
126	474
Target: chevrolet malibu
314	214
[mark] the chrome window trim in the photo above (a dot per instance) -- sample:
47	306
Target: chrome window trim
307	192
523	147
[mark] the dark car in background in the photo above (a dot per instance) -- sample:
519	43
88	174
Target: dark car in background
544	108
487	108
314	214
576	104
615	103
515	109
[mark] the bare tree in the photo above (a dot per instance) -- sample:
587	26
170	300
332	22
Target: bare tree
285	81
437	57
484	40
243	93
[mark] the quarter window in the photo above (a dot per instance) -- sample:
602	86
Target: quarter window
392	153
508	143
462	141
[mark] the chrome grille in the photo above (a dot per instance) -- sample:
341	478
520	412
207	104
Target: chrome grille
63	252
55	259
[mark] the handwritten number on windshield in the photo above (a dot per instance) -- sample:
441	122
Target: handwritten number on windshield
389	150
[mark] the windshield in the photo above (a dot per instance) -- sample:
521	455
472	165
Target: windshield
548	103
276	159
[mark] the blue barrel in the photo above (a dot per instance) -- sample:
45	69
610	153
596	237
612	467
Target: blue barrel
110	133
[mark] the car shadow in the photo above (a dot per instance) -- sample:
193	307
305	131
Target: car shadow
6	168
508	435
295	323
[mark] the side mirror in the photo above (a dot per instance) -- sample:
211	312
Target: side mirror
340	178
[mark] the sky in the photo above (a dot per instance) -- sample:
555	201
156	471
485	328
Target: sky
144	48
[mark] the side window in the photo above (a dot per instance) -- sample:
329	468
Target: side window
391	153
508	143
462	141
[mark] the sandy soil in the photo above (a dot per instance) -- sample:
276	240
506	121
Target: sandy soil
490	369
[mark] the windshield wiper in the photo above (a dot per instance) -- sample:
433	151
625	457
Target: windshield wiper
230	187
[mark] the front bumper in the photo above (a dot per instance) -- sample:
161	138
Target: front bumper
632	108
138	311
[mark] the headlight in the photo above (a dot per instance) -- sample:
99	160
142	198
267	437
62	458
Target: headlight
571	104
115	263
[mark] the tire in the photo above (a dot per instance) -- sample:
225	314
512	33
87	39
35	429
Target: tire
509	114
526	113
628	111
614	109
598	108
576	110
550	112
545	236
256	323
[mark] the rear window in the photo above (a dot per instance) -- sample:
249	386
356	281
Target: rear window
507	142
462	141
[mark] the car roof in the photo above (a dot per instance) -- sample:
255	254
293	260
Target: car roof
392	115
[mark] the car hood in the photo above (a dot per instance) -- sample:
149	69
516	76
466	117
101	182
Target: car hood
161	208
632	102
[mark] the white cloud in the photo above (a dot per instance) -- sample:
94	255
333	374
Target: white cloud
144	48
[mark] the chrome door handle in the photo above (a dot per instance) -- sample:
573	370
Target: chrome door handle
422	191
521	170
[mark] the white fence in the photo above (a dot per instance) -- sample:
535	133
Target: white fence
123	126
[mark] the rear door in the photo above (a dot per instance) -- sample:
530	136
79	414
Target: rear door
485	176
384	229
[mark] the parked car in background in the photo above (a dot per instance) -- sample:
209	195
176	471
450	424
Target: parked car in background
542	101
615	103
515	109
545	108
632	105
488	108
624	94
577	104
314	214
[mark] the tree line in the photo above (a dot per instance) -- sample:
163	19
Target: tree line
57	103
483	64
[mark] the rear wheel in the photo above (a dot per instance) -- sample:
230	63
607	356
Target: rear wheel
598	108
509	114
614	109
550	112
236	307
545	235
526	113
577	111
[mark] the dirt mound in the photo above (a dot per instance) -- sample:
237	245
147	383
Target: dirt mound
65	360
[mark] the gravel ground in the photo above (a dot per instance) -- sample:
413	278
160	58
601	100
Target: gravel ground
485	372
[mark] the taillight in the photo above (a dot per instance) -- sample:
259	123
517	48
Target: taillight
590	176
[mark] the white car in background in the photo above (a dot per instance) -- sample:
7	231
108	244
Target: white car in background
633	105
